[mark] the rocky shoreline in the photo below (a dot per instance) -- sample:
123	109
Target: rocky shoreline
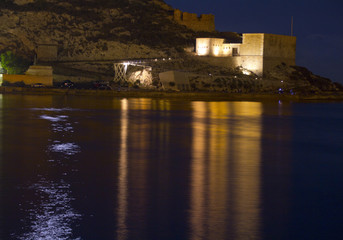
204	96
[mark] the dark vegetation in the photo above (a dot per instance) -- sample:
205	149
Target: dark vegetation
14	64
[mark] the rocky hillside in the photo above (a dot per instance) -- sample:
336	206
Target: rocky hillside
92	29
95	30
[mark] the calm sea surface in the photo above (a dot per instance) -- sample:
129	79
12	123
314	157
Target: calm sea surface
105	168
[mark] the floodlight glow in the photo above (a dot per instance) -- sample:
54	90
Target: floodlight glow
216	51
246	72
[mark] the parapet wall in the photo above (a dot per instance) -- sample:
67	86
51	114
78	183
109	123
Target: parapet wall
28	79
204	23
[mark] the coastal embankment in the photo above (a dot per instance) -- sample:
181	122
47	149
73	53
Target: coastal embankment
204	96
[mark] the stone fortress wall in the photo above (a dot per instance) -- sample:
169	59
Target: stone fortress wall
258	52
272	49
204	23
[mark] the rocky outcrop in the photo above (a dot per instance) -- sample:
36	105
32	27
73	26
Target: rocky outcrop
92	29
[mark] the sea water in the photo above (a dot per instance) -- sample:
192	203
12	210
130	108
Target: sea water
109	168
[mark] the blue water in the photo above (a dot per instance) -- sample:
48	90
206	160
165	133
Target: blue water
110	168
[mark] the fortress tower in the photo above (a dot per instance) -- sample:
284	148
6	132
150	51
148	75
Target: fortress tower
204	23
259	52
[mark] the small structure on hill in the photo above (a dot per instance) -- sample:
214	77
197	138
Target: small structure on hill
258	52
204	23
35	74
23	2
47	52
174	80
133	73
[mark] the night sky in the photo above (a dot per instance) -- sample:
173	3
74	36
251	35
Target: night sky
318	26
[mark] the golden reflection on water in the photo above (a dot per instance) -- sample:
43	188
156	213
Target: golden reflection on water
225	180
123	172
1	153
1	107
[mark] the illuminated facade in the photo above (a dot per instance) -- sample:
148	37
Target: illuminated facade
216	47
258	52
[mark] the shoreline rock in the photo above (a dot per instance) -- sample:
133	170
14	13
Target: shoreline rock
204	96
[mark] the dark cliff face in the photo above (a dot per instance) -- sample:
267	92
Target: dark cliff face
86	29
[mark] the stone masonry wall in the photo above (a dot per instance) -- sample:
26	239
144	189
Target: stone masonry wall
262	52
28	79
278	49
203	23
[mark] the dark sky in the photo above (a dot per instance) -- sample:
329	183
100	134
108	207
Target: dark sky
318	26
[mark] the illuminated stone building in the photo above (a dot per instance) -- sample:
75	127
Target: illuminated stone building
258	52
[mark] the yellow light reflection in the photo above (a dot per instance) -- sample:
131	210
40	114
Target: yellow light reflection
1	161
247	144
140	103
225	178
122	208
198	216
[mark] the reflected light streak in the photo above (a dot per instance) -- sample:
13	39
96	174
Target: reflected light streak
247	144
53	217
198	217
122	231
137	104
225	170
1	161
218	169
66	148
54	119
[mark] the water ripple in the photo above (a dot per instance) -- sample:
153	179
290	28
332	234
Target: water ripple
52	216
66	148
53	109
54	119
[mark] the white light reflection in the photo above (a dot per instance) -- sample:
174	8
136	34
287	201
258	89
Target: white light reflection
60	128
66	148
54	119
123	184
54	109
48	203
57	126
52	215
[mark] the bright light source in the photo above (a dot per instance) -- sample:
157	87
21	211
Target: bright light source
246	72
226	51
216	51
202	50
